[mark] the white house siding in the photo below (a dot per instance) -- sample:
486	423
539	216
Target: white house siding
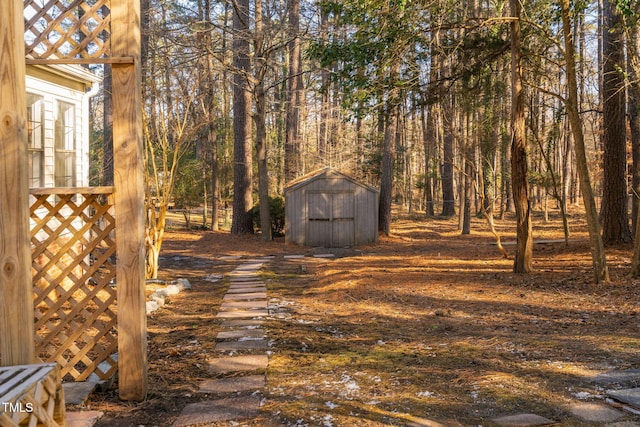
62	84
54	85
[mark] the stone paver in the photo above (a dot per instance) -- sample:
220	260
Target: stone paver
243	305
223	365
252	305
240	333
250	344
522	420
622	376
323	255
244	278
245	296
232	293
246	290
82	418
251	284
213	411
242	323
239	314
247	274
422	422
251	265
235	285
233	384
77	393
595	412
629	396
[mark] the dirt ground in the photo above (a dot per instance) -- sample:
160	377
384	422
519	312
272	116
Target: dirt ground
424	324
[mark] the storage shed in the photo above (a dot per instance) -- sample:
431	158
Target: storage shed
330	209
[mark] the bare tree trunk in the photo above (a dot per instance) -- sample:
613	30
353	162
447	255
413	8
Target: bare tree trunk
359	161
448	198
386	181
212	137
614	214
600	271
490	151
466	169
107	118
292	165
633	43
279	98
212	131
219	178
634	125
524	248
430	126
325	103
261	128
466	199
505	182
207	147
429	137
242	222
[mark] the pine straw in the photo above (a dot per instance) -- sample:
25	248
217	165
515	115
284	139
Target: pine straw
425	324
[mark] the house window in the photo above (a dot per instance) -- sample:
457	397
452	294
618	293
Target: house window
65	145
35	136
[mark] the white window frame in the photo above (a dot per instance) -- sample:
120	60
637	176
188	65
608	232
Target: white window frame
35	138
65	144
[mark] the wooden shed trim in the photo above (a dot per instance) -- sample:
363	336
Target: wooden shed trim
319	173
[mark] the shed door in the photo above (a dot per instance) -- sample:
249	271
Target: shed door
331	219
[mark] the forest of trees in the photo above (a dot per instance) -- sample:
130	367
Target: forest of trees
448	107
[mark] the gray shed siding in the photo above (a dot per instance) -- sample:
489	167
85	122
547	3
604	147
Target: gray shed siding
330	209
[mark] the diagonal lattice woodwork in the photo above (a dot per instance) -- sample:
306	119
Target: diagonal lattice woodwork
72	236
67	28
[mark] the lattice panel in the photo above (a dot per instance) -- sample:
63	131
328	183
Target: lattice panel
67	28
73	274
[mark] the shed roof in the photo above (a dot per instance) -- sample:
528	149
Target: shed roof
323	173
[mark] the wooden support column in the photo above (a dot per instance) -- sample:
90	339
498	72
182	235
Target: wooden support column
16	297
129	200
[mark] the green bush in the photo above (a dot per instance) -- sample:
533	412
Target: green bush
276	210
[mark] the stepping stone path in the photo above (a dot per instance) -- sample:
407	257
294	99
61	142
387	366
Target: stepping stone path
595	412
242	312
82	418
622	386
523	420
630	396
239	373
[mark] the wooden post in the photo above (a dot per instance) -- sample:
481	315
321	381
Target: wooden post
16	300
129	200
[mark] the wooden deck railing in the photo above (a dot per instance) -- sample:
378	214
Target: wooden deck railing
73	247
